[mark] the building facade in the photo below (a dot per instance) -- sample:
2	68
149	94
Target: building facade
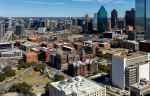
77	86
142	19
114	18
102	20
129	69
130	17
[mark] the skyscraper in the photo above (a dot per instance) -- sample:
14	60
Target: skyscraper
95	22
130	17
114	18
142	19
87	26
102	20
2	31
19	30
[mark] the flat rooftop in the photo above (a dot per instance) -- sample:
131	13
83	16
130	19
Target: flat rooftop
142	85
78	85
132	55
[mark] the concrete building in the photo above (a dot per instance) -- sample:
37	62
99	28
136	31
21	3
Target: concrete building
2	31
129	68
14	53
144	46
83	68
77	86
131	45
42	30
140	89
31	57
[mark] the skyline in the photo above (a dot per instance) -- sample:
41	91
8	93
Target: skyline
61	8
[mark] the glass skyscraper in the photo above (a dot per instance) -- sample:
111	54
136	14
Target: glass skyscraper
102	20
142	19
114	18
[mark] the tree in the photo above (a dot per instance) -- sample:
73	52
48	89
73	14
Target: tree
8	72
23	88
58	77
103	68
2	77
39	67
47	87
23	65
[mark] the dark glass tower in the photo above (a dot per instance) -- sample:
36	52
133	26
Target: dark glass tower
142	19
130	17
114	18
102	20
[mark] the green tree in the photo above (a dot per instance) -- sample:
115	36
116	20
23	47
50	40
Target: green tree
23	88
23	65
2	77
39	67
8	72
103	68
58	77
47	87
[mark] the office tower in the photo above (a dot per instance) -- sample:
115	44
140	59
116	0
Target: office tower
142	19
2	31
95	22
19	31
58	60
77	86
87	26
114	18
102	20
130	68
121	24
75	21
130	17
10	24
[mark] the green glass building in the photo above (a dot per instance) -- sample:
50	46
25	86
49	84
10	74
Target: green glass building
102	20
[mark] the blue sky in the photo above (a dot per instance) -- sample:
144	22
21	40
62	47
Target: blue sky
61	7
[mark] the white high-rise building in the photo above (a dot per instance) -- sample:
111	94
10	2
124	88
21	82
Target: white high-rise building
77	86
128	69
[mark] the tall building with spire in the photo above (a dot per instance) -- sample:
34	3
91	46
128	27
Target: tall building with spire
102	20
142	19
114	18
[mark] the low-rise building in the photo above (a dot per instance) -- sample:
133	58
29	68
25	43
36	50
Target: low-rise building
131	45
14	53
31	57
77	86
144	46
140	89
84	68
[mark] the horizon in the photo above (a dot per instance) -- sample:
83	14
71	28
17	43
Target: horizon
61	8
